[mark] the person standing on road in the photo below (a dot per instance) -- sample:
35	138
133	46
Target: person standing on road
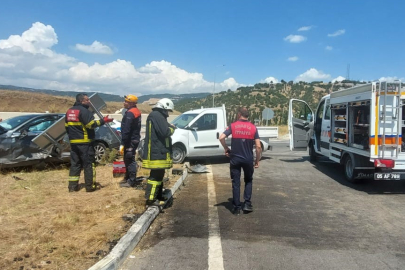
80	125
131	135
244	137
157	151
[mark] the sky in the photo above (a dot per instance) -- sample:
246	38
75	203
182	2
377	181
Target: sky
177	46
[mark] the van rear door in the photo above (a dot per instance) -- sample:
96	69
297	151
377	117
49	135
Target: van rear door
300	116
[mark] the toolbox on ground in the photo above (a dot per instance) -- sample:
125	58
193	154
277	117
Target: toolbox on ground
119	168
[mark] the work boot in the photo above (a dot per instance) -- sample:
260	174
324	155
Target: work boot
236	211
97	187
248	207
74	189
127	184
154	203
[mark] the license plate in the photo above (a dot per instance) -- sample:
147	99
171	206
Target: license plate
387	176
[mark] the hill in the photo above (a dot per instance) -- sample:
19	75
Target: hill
22	101
106	97
265	95
256	98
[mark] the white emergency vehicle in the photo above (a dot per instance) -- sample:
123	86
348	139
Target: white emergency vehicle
359	127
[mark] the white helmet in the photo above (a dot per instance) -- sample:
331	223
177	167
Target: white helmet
166	104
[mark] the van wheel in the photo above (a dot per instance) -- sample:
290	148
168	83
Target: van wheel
99	151
350	172
179	154
311	152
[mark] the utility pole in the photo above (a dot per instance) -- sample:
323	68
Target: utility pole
213	93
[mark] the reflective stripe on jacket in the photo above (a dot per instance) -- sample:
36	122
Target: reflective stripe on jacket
157	152
80	124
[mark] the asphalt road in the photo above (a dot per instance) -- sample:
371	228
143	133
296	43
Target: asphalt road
306	216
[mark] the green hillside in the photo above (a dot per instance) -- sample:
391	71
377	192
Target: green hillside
256	98
264	95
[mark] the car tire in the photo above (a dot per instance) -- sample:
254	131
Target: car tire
350	172
179	153
99	151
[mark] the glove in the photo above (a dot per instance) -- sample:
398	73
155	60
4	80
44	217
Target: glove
107	119
121	150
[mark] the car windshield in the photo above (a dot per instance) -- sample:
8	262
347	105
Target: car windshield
183	120
2	130
12	123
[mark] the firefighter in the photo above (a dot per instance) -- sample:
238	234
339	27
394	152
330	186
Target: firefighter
131	135
80	125
157	152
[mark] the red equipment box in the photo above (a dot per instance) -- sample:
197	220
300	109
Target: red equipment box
118	168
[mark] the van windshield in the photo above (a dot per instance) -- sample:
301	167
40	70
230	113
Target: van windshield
183	120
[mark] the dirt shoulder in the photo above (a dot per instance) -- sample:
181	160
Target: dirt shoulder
44	226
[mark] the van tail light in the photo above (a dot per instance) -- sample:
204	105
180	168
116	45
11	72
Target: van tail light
384	163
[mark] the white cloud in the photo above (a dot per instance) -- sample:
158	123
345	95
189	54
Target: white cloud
392	78
338	79
28	60
292	58
328	48
95	48
269	80
312	74
337	33
36	40
305	28
295	38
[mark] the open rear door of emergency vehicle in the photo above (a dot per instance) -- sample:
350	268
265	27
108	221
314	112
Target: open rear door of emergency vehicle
300	116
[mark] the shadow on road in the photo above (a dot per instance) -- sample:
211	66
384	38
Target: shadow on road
227	204
370	186
335	172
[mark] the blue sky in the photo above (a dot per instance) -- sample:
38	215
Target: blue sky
173	46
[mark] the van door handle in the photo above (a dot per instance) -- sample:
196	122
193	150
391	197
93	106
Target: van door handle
217	135
328	127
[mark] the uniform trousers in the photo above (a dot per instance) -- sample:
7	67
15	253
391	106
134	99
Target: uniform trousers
82	156
236	167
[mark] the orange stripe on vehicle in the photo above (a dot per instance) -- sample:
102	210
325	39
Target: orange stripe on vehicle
388	140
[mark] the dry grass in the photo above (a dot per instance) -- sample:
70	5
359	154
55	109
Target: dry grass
282	130
44	226
16	101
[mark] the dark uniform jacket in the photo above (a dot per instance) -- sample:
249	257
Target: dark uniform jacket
157	152
244	135
80	124
131	127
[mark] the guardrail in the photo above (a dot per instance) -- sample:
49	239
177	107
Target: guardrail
5	115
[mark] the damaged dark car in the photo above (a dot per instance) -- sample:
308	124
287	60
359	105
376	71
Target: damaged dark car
17	148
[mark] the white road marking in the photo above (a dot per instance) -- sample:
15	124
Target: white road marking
215	257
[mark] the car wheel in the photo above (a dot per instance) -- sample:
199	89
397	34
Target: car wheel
99	151
179	154
350	172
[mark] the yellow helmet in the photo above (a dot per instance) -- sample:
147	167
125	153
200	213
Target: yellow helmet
131	98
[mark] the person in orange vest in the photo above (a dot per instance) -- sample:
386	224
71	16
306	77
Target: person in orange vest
130	135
